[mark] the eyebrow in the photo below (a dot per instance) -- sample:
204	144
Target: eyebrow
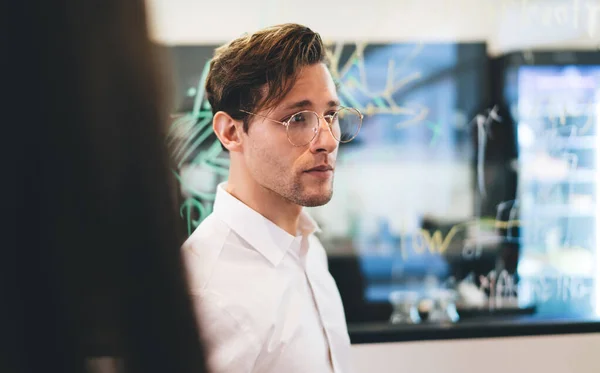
307	103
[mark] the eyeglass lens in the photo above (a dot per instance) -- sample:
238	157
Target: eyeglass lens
303	126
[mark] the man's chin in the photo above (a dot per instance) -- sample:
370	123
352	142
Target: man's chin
316	200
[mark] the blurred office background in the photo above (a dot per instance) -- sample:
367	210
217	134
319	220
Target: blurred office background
474	181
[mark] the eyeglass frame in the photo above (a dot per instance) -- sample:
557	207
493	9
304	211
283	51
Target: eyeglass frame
286	124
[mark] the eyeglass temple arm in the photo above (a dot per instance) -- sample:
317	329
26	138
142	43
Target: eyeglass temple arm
262	116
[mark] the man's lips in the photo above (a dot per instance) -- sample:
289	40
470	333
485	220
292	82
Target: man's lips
321	168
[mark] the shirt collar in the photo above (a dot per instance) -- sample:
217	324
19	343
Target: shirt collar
261	233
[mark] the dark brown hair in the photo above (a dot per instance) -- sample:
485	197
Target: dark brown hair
256	71
95	267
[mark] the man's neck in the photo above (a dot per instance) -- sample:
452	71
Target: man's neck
269	204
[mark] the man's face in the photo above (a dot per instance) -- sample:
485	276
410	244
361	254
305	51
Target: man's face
283	168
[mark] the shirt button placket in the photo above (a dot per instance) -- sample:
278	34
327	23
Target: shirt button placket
334	363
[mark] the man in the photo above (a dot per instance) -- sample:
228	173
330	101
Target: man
259	276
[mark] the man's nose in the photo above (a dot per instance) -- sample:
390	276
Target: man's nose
324	142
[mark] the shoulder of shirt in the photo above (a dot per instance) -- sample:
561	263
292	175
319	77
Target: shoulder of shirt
202	254
202	249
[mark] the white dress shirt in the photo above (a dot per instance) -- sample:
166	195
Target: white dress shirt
265	299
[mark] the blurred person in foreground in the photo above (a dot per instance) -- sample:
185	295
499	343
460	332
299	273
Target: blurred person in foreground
93	273
258	273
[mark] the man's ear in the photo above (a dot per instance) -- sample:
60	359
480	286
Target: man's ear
227	130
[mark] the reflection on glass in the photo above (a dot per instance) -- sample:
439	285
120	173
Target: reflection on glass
558	187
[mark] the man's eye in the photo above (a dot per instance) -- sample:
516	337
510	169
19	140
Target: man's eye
300	117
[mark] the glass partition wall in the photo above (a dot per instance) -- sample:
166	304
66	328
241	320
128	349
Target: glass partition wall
453	202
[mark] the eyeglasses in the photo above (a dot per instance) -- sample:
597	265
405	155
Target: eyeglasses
303	127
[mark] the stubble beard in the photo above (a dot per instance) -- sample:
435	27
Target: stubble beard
297	196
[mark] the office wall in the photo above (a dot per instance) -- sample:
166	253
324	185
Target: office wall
192	21
547	354
505	25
